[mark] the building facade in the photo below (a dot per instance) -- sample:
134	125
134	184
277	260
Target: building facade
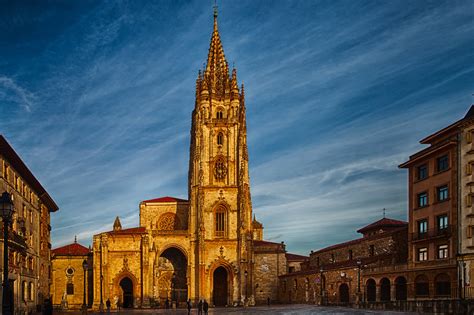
70	279
207	246
29	238
433	216
368	269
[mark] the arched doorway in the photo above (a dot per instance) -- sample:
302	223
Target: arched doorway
344	293
371	289
171	275
401	289
384	290
220	287
443	285
127	292
422	287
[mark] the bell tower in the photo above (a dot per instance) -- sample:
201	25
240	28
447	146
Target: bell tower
220	213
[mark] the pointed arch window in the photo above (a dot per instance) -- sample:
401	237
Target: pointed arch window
220	139
220	221
220	114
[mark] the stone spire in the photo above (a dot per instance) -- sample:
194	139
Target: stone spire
117	224
216	62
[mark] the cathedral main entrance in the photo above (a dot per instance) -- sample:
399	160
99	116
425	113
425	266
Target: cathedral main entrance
171	275
220	287
127	288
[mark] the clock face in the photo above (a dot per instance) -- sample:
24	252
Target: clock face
264	268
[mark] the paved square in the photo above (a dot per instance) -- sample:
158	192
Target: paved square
273	310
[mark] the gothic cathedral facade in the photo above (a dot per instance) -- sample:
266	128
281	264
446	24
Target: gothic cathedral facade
203	247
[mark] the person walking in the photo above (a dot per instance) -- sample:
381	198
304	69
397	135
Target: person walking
167	303
189	306
200	307
107	304
205	307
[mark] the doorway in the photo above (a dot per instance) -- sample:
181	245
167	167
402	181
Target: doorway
220	287
344	293
127	288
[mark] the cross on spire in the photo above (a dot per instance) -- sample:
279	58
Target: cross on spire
384	212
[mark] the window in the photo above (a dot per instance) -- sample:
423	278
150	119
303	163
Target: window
442	163
422	254
442	251
70	288
220	115
371	250
7	173
30	291
422	226
469	231
442	193
422	199
350	254
422	172
291	269
220	223
333	258
220	138
24	291
442	222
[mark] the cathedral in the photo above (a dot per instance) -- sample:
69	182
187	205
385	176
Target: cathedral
209	246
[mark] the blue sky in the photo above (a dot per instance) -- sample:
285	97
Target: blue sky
96	97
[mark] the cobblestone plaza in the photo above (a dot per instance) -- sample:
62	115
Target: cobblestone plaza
274	310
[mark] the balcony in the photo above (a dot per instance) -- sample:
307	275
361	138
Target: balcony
432	234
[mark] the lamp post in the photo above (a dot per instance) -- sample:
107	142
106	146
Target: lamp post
321	293
6	211
84	306
245	298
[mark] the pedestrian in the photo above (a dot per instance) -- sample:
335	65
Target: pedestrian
200	307
189	306
205	307
107	303
268	301
119	304
167	303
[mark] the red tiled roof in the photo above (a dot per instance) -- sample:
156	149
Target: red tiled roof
134	230
295	257
385	222
358	240
339	265
73	249
264	243
166	199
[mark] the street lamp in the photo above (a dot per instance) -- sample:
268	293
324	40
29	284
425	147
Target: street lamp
321	285
245	299
6	211
84	306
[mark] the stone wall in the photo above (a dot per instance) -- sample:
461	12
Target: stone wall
68	269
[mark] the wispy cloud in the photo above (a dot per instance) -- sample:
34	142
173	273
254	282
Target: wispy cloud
12	92
337	97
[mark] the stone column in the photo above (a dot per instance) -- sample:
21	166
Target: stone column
393	292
